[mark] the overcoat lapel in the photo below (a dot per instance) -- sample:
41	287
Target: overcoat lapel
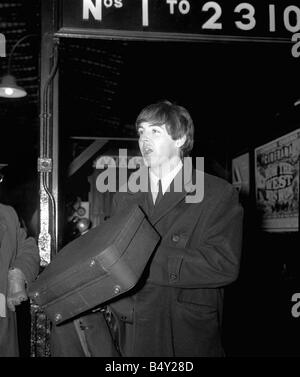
177	191
179	188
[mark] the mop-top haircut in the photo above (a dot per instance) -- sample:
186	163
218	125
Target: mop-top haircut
176	119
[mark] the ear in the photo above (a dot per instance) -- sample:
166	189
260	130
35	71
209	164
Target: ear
179	142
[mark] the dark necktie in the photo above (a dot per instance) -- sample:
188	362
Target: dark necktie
159	194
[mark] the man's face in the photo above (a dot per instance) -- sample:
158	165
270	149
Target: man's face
156	145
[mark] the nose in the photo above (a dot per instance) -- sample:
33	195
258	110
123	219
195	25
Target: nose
144	137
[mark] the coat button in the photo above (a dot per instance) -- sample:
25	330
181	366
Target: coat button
83	326
92	263
57	317
173	276
117	289
175	238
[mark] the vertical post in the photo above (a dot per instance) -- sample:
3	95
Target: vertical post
47	166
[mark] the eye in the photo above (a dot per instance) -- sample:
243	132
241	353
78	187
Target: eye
155	130
140	131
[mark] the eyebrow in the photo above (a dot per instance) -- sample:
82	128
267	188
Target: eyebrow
157	124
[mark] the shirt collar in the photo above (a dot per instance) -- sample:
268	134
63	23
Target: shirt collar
166	179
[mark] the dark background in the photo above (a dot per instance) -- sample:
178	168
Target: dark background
240	95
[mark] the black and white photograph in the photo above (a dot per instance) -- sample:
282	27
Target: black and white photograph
149	181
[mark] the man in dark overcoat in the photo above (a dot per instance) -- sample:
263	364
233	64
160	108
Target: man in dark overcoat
178	310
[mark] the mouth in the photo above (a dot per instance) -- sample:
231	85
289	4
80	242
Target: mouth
146	150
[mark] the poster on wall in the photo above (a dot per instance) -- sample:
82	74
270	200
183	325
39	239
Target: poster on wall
277	183
241	173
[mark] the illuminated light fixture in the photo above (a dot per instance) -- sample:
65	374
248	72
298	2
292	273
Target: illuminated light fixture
10	89
8	86
297	103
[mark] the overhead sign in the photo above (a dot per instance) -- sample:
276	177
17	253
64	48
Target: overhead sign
188	19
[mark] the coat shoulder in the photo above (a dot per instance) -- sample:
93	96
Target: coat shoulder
7	213
218	187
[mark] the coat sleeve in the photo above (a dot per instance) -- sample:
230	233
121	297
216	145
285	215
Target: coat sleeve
212	258
27	257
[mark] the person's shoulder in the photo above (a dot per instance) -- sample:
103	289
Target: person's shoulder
7	210
126	198
8	215
214	180
121	196
216	185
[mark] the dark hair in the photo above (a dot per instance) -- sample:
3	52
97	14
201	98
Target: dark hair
176	118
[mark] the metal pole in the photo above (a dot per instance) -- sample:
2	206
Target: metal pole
47	240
